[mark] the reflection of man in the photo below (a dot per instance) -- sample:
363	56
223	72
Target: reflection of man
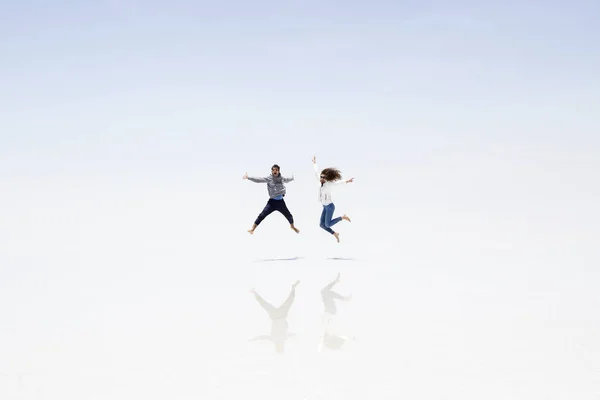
279	325
330	339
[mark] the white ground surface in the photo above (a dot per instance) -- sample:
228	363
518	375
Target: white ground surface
144	295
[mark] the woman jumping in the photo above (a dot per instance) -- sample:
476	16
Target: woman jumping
329	178
276	189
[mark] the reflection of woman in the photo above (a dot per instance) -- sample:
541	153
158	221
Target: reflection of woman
330	339
279	325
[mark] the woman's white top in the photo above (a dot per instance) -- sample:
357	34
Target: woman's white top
326	188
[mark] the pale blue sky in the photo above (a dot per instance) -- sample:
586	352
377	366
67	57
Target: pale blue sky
173	86
472	129
471	106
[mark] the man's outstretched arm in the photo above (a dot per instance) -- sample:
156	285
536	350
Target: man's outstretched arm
254	179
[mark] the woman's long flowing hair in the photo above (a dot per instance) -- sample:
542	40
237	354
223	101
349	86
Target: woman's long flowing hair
331	174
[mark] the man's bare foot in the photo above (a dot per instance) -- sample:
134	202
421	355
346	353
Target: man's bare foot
345	217
295	229
337	236
251	231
